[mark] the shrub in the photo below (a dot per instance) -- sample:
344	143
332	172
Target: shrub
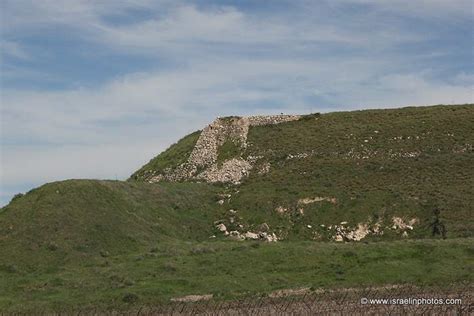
16	197
52	246
130	298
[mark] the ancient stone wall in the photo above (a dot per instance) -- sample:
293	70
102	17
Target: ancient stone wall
202	162
271	119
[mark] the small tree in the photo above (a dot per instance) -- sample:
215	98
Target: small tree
437	227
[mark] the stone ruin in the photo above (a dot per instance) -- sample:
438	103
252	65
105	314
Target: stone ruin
202	162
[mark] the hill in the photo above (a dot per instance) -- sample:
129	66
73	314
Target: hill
374	169
313	185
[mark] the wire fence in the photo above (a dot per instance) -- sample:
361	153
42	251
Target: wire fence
389	300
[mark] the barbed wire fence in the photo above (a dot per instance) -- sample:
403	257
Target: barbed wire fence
389	300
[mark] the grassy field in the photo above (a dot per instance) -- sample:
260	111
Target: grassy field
228	270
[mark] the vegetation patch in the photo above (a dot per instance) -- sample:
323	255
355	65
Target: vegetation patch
172	157
231	148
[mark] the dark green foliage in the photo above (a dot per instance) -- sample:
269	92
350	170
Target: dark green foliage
130	298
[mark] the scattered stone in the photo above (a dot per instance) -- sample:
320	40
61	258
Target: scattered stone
236	235
281	210
221	227
289	292
268	237
345	233
399	223
358	234
250	235
265	168
192	298
305	201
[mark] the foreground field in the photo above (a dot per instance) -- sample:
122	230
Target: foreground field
229	270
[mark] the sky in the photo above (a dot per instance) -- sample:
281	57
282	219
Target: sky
95	89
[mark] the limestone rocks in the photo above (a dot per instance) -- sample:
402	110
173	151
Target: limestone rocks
399	223
231	171
304	201
202	162
236	235
221	227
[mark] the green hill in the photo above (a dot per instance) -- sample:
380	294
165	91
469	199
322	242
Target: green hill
352	198
375	165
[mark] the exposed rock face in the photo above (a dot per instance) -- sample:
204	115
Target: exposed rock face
202	162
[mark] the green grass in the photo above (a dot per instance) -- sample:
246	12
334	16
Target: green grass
89	216
231	270
230	149
378	186
172	157
87	243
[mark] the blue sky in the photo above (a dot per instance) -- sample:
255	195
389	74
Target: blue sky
94	89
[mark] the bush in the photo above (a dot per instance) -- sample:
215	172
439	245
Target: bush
130	298
52	246
16	197
198	250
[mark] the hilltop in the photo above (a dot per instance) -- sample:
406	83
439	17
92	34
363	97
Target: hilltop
317	200
373	169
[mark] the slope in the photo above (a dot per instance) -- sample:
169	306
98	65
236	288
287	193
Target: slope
66	220
383	173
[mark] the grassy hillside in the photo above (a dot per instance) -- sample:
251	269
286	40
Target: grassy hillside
377	164
172	157
80	218
90	243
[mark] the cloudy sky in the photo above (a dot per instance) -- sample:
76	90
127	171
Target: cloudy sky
94	89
